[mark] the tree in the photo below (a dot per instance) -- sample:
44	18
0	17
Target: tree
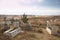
24	18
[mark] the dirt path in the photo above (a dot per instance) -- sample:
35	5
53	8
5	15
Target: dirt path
46	36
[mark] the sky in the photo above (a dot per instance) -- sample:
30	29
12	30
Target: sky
30	7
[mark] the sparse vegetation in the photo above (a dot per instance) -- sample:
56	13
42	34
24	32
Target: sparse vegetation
24	18
4	37
38	34
32	35
28	27
40	31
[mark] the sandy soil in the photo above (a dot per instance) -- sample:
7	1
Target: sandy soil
33	36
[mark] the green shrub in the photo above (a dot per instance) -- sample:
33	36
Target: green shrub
24	18
40	31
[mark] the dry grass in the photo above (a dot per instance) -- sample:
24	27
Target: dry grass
34	34
4	37
29	35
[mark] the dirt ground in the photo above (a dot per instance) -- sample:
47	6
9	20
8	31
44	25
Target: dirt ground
32	36
54	37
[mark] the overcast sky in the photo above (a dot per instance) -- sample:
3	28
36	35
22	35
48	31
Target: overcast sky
30	7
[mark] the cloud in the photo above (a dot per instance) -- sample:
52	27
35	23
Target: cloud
11	7
40	0
29	10
30	1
